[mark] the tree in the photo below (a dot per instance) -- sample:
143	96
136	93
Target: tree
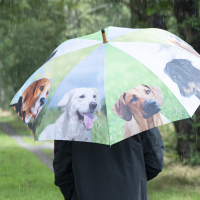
30	31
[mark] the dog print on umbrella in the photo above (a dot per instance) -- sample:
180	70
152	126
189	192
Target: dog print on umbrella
140	107
32	100
182	44
185	75
78	119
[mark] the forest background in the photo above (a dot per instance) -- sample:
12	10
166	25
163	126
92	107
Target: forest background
31	29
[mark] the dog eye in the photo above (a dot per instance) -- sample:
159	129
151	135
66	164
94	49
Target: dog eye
41	88
94	96
134	99
47	92
148	91
177	77
82	96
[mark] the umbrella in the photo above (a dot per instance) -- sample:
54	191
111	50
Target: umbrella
105	91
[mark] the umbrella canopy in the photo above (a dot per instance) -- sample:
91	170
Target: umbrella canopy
104	92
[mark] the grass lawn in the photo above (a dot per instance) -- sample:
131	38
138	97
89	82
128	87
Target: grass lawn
31	141
22	175
175	182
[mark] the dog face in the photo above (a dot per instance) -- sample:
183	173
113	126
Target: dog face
34	98
184	75
141	101
81	104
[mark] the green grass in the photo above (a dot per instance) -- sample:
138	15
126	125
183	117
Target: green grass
176	182
31	141
22	175
48	151
100	132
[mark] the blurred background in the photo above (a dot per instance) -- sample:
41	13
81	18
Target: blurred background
30	30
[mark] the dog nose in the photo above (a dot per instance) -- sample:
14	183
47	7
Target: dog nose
42	101
93	105
151	107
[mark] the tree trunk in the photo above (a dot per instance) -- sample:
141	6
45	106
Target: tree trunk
184	130
183	10
187	137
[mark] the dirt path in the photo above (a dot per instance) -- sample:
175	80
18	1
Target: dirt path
46	158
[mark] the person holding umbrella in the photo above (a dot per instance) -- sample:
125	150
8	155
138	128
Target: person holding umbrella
89	94
87	171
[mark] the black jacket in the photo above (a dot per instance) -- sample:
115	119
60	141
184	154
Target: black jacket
88	171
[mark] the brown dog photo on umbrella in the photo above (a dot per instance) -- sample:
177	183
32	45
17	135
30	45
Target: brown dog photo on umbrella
32	100
185	75
182	44
140	107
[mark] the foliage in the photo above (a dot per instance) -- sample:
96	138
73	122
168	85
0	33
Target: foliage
30	31
85	17
170	141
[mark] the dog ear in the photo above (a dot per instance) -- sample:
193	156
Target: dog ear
17	106
158	94
66	98
121	109
28	95
98	100
14	106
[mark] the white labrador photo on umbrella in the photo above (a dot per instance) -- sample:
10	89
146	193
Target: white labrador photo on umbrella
78	119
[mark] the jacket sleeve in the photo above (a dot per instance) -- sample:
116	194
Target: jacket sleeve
153	148
62	165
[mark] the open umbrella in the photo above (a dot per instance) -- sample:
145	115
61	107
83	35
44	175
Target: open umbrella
104	92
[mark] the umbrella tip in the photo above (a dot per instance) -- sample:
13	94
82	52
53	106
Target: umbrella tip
104	36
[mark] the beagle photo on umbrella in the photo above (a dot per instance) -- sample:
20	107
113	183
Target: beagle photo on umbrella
78	119
140	107
32	100
185	75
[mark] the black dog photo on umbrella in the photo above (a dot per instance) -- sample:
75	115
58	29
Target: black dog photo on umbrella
185	75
